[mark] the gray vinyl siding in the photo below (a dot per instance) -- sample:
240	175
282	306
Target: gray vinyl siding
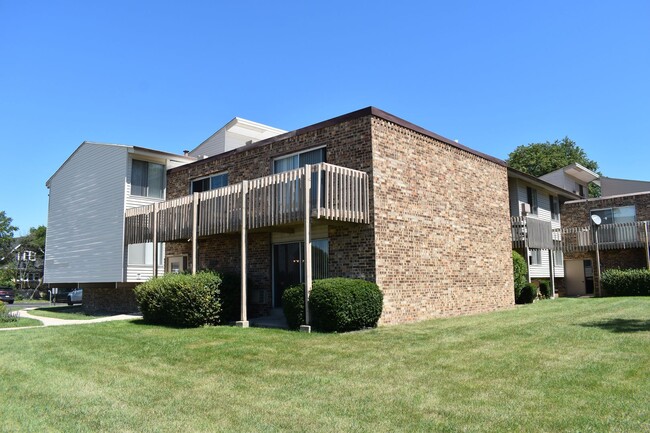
86	217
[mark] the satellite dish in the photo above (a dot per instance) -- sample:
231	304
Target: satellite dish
596	220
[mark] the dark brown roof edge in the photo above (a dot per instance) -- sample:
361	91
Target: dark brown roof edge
368	111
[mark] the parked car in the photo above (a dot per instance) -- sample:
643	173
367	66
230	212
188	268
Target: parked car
75	297
7	295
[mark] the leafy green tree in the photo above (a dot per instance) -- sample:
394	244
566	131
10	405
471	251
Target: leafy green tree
6	235
538	159
35	240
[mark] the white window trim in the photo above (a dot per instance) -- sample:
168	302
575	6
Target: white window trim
209	176
289	155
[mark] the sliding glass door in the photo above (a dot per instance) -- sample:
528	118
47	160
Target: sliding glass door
288	265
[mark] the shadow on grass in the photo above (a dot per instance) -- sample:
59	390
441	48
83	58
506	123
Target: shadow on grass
620	325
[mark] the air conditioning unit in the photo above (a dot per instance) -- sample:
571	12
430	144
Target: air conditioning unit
525	209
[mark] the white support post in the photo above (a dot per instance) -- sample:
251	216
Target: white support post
528	262
243	322
551	257
154	235
195	222
600	291
308	276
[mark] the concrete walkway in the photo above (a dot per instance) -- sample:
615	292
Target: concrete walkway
51	321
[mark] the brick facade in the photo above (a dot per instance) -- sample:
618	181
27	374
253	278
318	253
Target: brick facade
438	242
113	299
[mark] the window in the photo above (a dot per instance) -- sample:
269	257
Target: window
581	190
558	258
555	207
535	257
147	179
208	183
616	215
298	160
531	199
142	254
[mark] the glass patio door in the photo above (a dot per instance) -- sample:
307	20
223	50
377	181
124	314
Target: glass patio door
288	265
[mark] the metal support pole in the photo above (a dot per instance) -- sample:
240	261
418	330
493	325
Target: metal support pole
195	222
647	247
600	291
551	257
528	261
154	240
308	275
243	322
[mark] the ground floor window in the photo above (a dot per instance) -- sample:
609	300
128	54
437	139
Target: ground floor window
535	257
142	254
288	265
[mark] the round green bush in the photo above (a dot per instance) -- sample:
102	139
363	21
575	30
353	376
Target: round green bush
528	294
181	299
520	272
545	289
626	282
344	304
293	304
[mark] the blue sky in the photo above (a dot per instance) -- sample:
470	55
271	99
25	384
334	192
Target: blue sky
166	75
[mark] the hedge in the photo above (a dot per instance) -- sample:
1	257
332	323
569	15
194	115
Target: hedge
181	299
545	289
520	272
626	282
336	305
293	304
528	294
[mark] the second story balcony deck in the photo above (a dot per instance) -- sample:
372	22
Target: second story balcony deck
331	192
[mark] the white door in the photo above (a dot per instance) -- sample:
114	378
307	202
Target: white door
574	275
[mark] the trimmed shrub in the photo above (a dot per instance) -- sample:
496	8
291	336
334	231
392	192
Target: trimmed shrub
6	315
528	294
520	272
626	282
293	304
181	299
545	289
345	304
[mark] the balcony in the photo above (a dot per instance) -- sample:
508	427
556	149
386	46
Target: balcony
610	237
528	232
332	192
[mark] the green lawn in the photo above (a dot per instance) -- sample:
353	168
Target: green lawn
74	312
23	321
579	365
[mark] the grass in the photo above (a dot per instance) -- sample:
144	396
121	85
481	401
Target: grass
74	312
563	365
23	321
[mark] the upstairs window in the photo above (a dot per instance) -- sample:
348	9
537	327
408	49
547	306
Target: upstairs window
208	183
298	160
555	207
531	199
147	179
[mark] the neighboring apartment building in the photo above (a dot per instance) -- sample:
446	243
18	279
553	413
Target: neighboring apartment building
371	196
536	222
574	178
622	237
88	196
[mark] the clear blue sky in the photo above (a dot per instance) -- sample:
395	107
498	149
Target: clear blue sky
167	75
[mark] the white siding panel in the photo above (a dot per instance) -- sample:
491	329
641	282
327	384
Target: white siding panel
543	270
212	146
86	217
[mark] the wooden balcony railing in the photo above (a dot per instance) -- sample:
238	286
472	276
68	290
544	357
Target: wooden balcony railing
610	237
336	193
571	239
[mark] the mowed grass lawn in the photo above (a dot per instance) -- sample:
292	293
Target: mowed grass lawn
577	365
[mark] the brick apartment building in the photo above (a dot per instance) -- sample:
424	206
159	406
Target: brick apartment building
424	217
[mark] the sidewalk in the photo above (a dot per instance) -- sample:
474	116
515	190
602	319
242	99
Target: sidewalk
51	321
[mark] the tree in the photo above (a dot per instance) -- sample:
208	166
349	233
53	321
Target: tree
6	235
538	159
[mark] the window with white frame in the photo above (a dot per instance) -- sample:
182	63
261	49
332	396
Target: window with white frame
531	199
535	257
209	182
555	207
142	254
300	159
147	179
558	257
619	216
